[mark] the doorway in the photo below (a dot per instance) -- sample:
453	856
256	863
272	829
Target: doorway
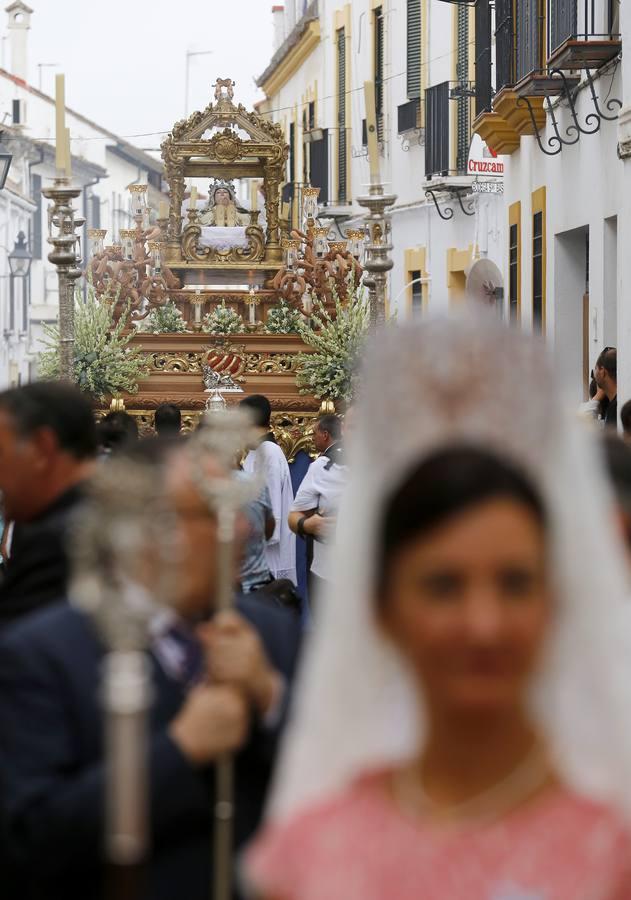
572	313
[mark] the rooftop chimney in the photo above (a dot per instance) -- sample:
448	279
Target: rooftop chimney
19	23
278	14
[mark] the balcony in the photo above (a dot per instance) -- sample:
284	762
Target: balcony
446	159
544	49
583	34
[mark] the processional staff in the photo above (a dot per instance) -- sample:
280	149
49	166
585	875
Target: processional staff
134	520
130	519
224	436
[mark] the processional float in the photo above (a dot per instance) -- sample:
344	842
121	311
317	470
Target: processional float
192	256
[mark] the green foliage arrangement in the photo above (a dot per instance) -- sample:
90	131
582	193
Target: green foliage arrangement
223	320
282	319
328	373
165	319
105	363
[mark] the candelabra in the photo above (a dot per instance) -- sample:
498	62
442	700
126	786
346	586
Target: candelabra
62	223
131	273
315	266
378	261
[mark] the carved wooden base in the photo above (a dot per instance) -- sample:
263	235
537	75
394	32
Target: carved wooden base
293	431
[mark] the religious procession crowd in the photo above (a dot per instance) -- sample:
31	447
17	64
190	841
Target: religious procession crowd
441	713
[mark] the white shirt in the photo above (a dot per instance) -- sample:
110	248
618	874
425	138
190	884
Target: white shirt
269	461
322	489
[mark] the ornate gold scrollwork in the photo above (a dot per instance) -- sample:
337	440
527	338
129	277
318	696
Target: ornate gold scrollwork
271	364
294	433
175	362
225	147
255	251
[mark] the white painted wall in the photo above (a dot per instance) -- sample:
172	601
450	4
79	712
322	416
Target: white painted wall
585	189
415	222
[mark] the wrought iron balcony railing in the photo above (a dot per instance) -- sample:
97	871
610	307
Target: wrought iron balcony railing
439	159
583	33
437	155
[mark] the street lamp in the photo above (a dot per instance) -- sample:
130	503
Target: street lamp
20	258
5	163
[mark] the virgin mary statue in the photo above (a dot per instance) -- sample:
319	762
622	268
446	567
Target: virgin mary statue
222	210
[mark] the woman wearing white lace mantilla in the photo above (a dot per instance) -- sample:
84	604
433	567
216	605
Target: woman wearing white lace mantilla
461	731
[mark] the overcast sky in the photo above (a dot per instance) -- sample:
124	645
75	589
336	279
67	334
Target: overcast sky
125	60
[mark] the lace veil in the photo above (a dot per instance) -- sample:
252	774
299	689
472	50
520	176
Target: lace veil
469	381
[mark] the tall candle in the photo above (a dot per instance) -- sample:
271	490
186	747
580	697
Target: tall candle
193	201
68	155
254	198
371	128
163	209
284	211
60	122
197	308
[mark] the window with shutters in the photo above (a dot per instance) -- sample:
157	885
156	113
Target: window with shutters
513	271
414	278
379	68
537	271
437	130
291	160
342	175
483	60
414	49
319	166
95	211
463	118
305	148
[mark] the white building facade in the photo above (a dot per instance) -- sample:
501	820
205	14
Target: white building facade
558	111
420	54
104	166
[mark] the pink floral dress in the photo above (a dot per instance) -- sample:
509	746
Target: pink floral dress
359	846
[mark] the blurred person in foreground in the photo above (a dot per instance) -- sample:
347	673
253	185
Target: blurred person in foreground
116	431
625	420
268	460
219	686
48	445
618	463
463	721
168	420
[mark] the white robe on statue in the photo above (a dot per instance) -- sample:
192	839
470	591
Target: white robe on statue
269	460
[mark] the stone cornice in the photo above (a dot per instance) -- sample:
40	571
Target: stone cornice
275	76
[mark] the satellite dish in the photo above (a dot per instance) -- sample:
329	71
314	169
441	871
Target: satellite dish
484	282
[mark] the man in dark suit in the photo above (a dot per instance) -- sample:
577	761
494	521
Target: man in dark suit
47	449
218	687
